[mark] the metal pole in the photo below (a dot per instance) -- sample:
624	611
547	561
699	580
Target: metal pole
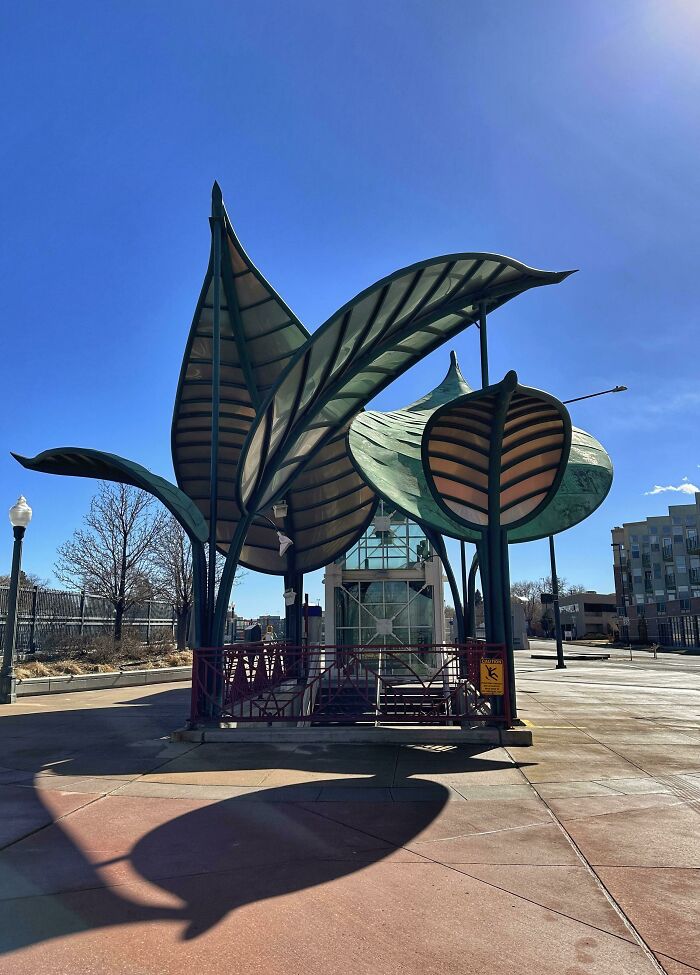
8	685
466	605
470	615
483	345
82	612
215	405
555	602
148	623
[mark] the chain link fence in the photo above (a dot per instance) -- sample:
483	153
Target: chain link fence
45	616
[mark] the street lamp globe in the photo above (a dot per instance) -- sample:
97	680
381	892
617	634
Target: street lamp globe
20	513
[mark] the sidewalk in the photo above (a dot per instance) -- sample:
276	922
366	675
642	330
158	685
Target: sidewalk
126	853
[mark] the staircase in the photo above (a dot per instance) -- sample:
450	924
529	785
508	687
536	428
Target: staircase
403	703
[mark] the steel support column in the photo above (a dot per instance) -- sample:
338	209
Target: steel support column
555	604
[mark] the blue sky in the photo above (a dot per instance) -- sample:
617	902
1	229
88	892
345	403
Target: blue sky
350	138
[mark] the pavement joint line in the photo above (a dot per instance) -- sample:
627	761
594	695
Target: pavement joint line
488	832
454	868
54	820
601	886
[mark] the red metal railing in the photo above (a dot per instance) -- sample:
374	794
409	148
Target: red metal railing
318	685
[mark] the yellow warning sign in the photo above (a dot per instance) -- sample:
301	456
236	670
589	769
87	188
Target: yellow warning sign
492	676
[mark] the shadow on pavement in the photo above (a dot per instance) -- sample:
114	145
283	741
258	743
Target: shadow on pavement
100	870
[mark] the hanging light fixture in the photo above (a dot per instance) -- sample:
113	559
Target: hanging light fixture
285	543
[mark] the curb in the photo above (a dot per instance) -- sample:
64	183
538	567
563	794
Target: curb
31	686
357	735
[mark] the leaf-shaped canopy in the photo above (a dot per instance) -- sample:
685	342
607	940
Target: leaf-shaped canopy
259	335
498	453
363	347
386	448
331	504
84	462
585	485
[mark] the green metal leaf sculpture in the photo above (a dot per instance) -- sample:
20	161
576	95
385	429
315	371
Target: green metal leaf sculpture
386	448
263	409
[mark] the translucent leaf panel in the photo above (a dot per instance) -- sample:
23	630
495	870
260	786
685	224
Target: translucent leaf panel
509	446
362	348
259	337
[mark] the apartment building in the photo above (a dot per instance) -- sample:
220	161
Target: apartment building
656	564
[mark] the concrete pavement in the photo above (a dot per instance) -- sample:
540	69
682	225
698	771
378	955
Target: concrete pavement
123	852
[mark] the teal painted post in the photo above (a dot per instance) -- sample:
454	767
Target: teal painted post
471	596
216	221
555	601
227	577
438	543
465	591
483	346
508	620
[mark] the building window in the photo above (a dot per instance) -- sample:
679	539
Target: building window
391	542
661	608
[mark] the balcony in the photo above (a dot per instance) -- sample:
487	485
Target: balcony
692	546
667	553
695	577
648	586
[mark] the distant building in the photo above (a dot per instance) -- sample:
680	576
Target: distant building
387	590
657	577
588	614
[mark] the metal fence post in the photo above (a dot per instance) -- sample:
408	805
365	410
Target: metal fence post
82	612
32	625
148	622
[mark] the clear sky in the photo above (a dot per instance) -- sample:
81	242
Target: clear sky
350	138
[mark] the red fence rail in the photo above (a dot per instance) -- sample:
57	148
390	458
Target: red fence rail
319	685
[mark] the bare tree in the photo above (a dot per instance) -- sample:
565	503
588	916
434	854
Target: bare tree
529	591
27	580
172	574
112	556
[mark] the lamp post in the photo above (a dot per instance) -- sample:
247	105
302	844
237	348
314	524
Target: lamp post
552	558
20	516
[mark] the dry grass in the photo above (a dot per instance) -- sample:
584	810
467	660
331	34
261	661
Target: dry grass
106	658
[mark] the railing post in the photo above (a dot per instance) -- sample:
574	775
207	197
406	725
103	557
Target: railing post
148	622
32	625
82	612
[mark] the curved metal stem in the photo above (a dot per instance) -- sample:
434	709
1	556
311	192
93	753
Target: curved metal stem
438	543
